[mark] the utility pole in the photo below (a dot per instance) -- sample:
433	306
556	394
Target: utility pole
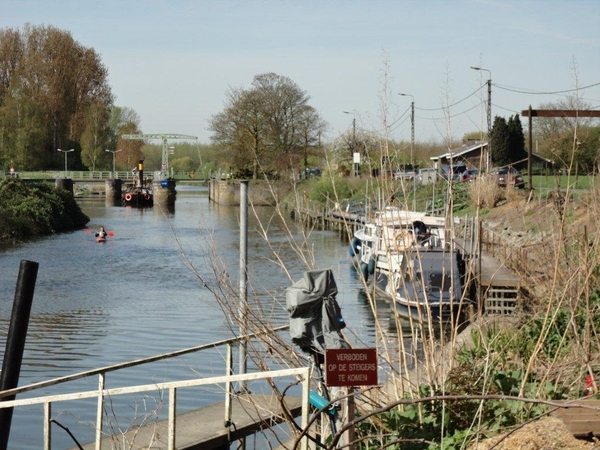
488	158
353	150
412	126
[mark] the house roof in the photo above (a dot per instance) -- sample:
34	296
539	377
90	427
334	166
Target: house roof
465	150
460	151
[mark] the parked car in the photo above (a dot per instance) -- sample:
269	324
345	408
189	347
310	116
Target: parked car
454	171
404	172
469	175
509	176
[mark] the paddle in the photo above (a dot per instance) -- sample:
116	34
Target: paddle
110	233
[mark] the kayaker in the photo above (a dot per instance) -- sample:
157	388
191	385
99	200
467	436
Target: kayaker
101	233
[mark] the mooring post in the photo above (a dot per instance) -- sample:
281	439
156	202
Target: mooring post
15	342
243	308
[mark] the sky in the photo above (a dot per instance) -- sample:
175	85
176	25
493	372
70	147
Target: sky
173	62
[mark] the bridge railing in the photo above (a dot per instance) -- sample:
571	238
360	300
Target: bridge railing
95	175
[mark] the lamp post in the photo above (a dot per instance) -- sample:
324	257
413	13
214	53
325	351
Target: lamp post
113	154
353	139
65	152
489	117
412	125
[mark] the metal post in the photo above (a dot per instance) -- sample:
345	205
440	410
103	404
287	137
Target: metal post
114	152
488	159
243	312
353	149
15	341
489	125
529	153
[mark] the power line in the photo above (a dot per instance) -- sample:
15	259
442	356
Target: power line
524	91
455	103
453	115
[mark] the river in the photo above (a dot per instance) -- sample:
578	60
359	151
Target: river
135	295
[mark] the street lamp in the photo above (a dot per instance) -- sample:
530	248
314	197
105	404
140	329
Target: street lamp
412	125
113	153
489	116
353	138
65	152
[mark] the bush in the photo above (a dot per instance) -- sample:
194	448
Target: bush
484	192
37	209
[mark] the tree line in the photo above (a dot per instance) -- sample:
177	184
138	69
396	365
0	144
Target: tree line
54	94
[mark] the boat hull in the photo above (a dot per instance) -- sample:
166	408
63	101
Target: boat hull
138	198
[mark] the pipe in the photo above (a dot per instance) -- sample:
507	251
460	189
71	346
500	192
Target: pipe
15	341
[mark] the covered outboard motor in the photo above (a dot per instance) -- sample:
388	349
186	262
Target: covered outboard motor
315	316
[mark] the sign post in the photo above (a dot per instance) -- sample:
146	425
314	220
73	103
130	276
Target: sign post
350	367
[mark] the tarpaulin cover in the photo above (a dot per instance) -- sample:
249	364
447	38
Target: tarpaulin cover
315	316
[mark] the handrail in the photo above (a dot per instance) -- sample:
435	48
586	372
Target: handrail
101	392
172	386
137	362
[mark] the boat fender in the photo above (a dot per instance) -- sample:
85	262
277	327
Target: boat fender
355	247
128	197
364	270
371	266
402	240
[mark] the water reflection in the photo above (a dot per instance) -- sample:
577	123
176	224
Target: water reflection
135	296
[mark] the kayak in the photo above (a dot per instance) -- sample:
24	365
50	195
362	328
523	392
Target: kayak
100	239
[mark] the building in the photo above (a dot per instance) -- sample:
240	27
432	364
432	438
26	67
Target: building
473	155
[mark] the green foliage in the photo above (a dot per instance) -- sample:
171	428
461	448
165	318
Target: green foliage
52	90
37	209
507	141
335	188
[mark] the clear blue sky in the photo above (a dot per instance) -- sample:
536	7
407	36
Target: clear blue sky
173	61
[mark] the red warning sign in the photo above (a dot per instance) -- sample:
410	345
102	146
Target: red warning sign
351	367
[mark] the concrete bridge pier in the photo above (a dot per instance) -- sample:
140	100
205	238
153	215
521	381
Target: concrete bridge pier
64	183
113	188
164	192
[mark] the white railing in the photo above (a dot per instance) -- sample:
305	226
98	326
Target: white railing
101	392
172	386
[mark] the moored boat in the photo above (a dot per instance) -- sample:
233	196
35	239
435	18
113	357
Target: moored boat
138	196
410	259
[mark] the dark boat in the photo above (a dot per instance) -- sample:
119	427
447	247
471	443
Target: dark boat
138	196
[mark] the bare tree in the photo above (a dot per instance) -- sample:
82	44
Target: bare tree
266	128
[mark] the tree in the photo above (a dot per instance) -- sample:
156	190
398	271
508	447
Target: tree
500	141
123	120
568	141
267	127
507	141
516	140
51	89
131	150
95	136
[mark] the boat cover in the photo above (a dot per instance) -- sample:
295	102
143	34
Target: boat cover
315	316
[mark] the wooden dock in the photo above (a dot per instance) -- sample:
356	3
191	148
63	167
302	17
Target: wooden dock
204	428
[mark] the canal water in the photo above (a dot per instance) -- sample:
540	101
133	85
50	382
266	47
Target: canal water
143	293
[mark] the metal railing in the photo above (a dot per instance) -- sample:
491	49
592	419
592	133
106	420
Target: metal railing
101	393
97	175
